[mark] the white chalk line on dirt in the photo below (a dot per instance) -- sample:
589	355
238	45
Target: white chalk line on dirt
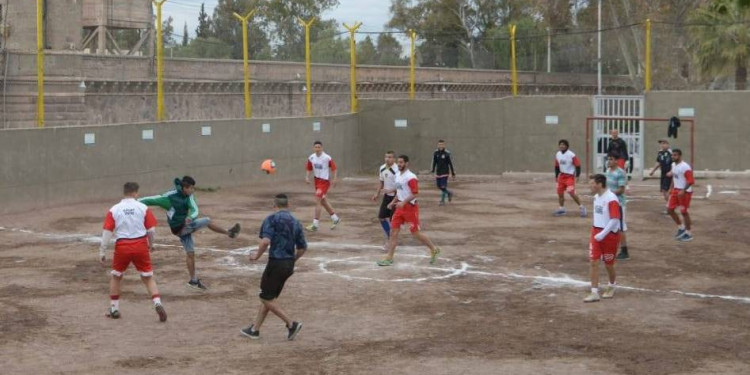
464	269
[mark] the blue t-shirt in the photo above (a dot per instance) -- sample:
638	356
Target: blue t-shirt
615	180
285	233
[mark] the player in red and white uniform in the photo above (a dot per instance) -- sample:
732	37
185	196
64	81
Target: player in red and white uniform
604	236
132	225
681	194
323	168
407	211
567	170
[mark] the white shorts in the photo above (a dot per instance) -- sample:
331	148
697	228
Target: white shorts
623	222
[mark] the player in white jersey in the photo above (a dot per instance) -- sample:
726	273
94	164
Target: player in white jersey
567	170
387	176
604	236
681	194
133	226
324	170
407	211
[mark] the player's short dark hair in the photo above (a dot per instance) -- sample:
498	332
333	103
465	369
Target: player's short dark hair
612	155
402	156
130	188
599	179
389	152
441	141
281	201
317	143
677	151
187	181
563	141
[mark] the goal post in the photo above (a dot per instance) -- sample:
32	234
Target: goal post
639	135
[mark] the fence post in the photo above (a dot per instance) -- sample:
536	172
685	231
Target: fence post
353	65
513	70
412	66
159	63
245	62
647	83
39	63
308	83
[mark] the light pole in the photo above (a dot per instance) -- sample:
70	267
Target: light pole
245	67
599	51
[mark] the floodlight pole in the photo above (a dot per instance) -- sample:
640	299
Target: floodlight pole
353	63
245	62
159	63
599	50
308	83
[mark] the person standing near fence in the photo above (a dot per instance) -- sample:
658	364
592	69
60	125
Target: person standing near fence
442	165
664	163
282	233
618	147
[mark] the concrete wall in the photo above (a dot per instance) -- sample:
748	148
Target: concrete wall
485	137
722	126
47	167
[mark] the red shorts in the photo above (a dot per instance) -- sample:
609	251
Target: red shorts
677	201
407	214
621	163
321	187
604	250
566	182
132	251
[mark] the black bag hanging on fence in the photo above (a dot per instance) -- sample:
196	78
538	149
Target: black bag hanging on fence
674	123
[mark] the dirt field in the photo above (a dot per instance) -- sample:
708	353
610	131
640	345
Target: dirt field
505	298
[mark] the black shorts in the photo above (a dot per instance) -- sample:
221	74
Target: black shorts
275	275
385	213
666	183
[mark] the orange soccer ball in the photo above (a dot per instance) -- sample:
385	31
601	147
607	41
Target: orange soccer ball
268	166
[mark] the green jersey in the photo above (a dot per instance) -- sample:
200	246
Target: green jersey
178	205
616	179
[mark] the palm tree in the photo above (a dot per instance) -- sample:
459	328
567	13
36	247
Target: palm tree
721	41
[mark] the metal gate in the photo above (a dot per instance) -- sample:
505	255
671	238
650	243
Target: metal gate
625	112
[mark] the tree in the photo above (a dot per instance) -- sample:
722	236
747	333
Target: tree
209	48
204	23
227	28
366	52
167	32
723	47
328	46
390	51
185	39
286	34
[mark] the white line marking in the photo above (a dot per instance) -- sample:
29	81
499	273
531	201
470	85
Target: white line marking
729	192
709	190
404	251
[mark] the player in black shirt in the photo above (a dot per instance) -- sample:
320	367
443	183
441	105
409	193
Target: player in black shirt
618	148
441	165
664	162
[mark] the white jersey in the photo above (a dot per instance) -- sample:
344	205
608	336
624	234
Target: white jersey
567	162
682	176
321	165
129	219
406	185
606	207
388	177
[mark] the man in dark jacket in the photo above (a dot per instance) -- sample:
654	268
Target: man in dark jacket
442	164
618	148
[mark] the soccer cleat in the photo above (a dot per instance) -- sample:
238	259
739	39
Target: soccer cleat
234	231
680	233
385	262
442	203
249	332
113	313
293	330
623	255
434	255
162	313
609	292
560	212
312	228
450	197
583	211
592	297
686	237
335	223
197	284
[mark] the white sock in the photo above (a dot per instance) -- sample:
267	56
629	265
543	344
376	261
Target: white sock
595	290
316	222
157	300
681	227
612	285
335	217
115	304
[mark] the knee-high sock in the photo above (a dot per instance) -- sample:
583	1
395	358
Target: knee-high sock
386	227
443	194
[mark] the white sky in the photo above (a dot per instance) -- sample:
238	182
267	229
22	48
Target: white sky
373	14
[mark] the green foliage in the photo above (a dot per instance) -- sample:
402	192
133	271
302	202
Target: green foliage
204	23
367	53
209	48
329	46
390	51
228	29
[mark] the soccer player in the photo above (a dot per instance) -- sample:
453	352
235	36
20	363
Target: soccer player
604	236
664	162
322	166
617	179
441	165
132	225
407	211
182	216
567	170
618	147
282	233
682	192
387	176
